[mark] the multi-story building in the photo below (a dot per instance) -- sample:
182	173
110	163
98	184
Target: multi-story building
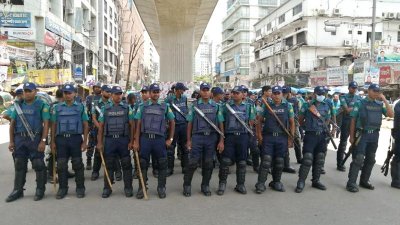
203	58
237	26
150	60
64	33
302	36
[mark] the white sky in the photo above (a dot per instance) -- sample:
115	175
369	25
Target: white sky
214	27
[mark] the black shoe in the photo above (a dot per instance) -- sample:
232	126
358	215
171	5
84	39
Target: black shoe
260	188
38	195
249	162
80	192
15	194
299	187
118	176
318	185
395	185
95	176
135	175
155	173
221	188
277	186
352	188
289	170
169	172
187	190
341	168
240	188
62	192
367	185
205	189
299	161
161	192
323	171
256	169
140	194
71	175
106	193
128	192
89	165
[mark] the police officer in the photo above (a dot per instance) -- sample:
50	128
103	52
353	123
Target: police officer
395	170
116	130
180	101
218	95
37	115
151	118
96	110
202	140
347	103
95	96
19	96
315	144
69	122
236	142
274	140
339	113
366	118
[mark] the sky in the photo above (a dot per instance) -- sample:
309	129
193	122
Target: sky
214	27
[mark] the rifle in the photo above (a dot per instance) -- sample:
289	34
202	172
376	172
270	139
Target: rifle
178	110
24	121
97	109
234	113
279	122
385	166
202	115
352	147
315	112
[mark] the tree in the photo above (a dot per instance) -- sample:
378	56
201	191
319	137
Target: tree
136	44
203	78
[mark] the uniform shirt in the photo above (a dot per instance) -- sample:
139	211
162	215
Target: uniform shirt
252	110
101	103
356	108
54	114
263	111
103	109
336	106
350	98
304	109
45	114
168	112
190	115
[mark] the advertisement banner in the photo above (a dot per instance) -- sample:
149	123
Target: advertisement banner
337	76
4	54
78	72
384	75
57	29
371	76
20	53
318	78
388	54
359	78
15	19
19	33
50	76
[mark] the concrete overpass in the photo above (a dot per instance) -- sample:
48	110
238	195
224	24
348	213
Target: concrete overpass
176	28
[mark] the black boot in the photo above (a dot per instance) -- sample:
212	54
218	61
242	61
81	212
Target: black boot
369	163
89	164
255	155
41	178
96	165
355	167
276	183
287	168
187	178
20	165
118	169
303	172
162	177
50	168
223	175
207	173
395	171
62	170
127	176
241	177
317	169
110	165
78	167
171	161
143	167
89	154
135	173
297	148
266	161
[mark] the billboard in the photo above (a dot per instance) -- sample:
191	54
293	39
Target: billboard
15	19
337	76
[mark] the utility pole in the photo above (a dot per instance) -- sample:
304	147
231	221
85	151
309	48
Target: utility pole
373	31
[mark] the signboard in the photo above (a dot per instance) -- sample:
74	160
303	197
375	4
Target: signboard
388	54
4	55
318	78
19	33
359	78
266	52
78	73
384	75
372	76
52	40
337	76
15	19
57	29
20	53
50	76
3	73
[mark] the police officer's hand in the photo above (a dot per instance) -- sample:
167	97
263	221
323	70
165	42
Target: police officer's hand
290	143
168	143
351	140
100	147
42	146
84	146
136	146
53	147
382	97
11	147
259	139
189	145
130	146
220	146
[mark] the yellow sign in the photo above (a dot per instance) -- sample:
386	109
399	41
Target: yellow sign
50	76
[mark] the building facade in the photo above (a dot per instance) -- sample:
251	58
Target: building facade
203	58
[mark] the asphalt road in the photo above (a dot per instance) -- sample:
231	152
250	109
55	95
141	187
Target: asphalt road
334	206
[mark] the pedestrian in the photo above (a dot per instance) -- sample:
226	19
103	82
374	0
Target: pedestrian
115	139
69	123
366	120
24	146
395	170
151	121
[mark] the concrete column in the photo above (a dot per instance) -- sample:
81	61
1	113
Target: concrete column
176	53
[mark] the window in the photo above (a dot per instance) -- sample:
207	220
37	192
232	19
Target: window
111	27
350	32
110	12
289	41
105	6
378	36
115	32
105	55
105	39
398	36
111	57
297	63
333	33
111	41
115	44
297	9
301	37
269	26
282	18
359	32
105	23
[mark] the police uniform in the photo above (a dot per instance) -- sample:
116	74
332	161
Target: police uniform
180	135
395	164
93	130
153	121
116	120
69	123
204	142
349	101
315	144
367	114
253	158
36	113
96	106
339	115
236	143
274	143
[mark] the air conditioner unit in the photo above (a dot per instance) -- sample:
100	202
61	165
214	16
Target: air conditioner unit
348	43
390	15
321	12
336	12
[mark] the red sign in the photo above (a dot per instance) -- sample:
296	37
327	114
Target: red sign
50	39
384	75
